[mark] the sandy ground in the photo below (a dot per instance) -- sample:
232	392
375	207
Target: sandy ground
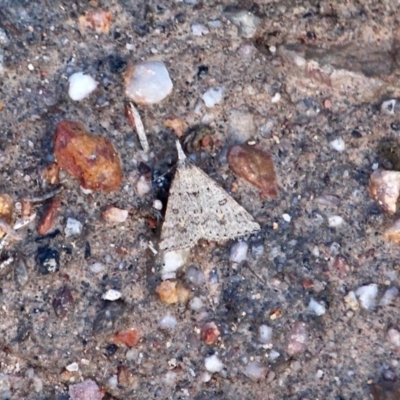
291	110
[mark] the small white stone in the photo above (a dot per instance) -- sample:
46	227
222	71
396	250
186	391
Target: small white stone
80	86
196	304
338	144
115	215
148	82
276	98
316	308
173	260
272	49
168	322
31	67
112	382
335	221
73	227
238	252
319	374
213	96
157	204
143	186
206	377
199	30
273	355
394	337
245	21
286	217
213	364
112	295
255	371
215	24
264	334
97	267
367	295
389	296
73	367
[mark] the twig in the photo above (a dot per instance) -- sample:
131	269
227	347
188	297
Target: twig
134	118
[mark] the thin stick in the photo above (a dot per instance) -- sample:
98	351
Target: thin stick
44	197
133	114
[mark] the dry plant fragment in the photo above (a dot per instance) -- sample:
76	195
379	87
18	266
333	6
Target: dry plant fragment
384	188
136	122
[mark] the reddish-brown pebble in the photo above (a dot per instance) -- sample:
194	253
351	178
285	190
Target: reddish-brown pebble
341	265
129	337
256	167
176	124
167	292
91	159
63	302
47	221
210	333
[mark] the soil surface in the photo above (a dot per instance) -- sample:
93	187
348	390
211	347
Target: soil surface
307	85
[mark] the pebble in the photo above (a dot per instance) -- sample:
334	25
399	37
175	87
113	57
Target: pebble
213	96
157	204
238	252
389	107
85	390
195	276
196	304
286	217
241	125
276	98
210	333
143	186
73	227
335	221
73	367
255	371
394	337
384	188
273	355
351	301
63	302
256	167
173	260
129	337
80	86
297	339
389	296
264	334
316	308
367	295
47	260
115	215
97	267
148	82
167	291
112	295
213	364
91	159
21	275
245	21
168	322
392	233
338	144
199	30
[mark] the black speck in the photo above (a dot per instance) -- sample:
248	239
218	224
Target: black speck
356	134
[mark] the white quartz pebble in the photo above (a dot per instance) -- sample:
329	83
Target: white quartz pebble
80	86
